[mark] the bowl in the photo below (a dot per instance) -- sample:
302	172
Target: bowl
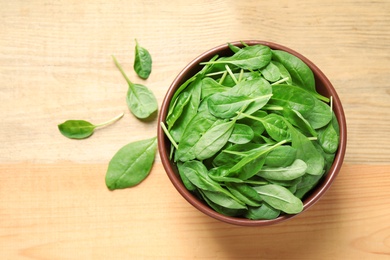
323	86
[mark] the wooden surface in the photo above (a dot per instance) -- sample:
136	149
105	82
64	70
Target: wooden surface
55	64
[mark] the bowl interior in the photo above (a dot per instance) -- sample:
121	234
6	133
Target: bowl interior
324	87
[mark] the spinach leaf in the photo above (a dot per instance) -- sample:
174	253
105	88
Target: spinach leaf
223	200
233	48
301	74
241	134
251	58
219	208
194	91
296	119
307	183
245	193
283	72
213	140
196	172
141	101
271	72
295	170
250	164
328	136
292	97
307	152
196	128
131	164
265	211
210	86
178	108
281	156
280	198
80	129
275	126
142	61
253	93
320	115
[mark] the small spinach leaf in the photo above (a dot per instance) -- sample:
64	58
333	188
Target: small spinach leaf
142	61
141	101
80	129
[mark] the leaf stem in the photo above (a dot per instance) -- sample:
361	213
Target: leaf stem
331	103
164	128
221	80
231	74
320	97
273	107
123	72
280	81
110	121
214	73
241	75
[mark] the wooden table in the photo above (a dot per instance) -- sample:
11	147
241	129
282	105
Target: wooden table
55	64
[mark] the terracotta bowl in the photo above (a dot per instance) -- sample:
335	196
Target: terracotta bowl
323	86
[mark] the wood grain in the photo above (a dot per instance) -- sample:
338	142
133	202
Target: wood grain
62	211
55	64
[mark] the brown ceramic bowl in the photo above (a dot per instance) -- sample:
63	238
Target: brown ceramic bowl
323	86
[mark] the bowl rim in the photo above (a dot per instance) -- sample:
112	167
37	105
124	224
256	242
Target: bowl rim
309	201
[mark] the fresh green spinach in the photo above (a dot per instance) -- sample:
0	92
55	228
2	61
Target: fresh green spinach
250	135
80	129
131	164
142	61
141	101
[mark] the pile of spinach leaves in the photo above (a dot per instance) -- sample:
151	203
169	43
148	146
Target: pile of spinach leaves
250	134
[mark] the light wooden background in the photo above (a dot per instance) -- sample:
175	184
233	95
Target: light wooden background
55	64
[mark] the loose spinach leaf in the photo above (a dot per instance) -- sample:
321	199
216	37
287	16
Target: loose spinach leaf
131	164
141	101
280	198
142	61
80	129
